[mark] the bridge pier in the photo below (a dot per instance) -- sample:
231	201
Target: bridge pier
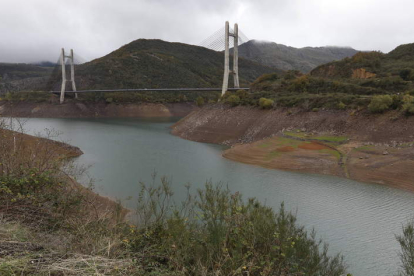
235	70
72	74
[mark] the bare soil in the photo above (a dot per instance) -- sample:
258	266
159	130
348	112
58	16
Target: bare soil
223	125
379	148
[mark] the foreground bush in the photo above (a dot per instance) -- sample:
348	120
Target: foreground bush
218	233
214	233
380	103
406	241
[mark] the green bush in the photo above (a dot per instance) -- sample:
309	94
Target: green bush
218	233
380	103
266	103
233	100
406	241
408	104
405	74
200	101
341	105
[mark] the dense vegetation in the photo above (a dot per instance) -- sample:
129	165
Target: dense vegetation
159	64
143	64
369	80
372	80
49	225
290	58
18	71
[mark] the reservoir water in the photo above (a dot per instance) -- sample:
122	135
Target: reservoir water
357	219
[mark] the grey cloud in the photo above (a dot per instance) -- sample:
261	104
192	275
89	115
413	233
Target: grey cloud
36	30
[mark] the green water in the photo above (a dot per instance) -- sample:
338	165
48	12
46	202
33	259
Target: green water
357	219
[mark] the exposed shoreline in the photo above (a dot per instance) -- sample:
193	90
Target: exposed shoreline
359	146
78	109
66	151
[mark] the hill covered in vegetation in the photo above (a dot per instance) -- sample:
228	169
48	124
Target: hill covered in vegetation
370	80
149	64
18	71
20	76
290	58
159	64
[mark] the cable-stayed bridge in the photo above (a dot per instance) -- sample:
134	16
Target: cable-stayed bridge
221	41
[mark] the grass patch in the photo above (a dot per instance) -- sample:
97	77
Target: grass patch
284	141
322	138
334	139
296	134
335	153
264	145
273	154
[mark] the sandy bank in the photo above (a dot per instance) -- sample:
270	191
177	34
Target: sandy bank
356	145
77	109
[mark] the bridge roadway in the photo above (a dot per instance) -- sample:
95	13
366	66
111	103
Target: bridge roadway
154	89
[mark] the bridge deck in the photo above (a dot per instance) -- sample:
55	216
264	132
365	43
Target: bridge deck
154	89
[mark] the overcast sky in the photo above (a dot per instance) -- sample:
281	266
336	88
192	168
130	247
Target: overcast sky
34	30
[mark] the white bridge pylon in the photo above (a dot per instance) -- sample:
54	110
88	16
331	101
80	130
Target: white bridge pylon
72	74
235	70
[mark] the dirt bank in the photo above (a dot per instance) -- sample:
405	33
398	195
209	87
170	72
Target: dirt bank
356	145
46	150
77	109
223	125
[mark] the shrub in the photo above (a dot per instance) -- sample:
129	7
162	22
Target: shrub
219	233
380	103
233	100
200	101
292	74
266	103
408	104
397	101
242	94
406	241
405	74
268	77
341	105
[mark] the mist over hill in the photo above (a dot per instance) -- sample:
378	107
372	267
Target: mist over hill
289	58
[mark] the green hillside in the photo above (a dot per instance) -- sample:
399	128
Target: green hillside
18	71
290	58
147	64
160	64
368	80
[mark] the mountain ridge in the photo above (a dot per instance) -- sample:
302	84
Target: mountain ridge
290	58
